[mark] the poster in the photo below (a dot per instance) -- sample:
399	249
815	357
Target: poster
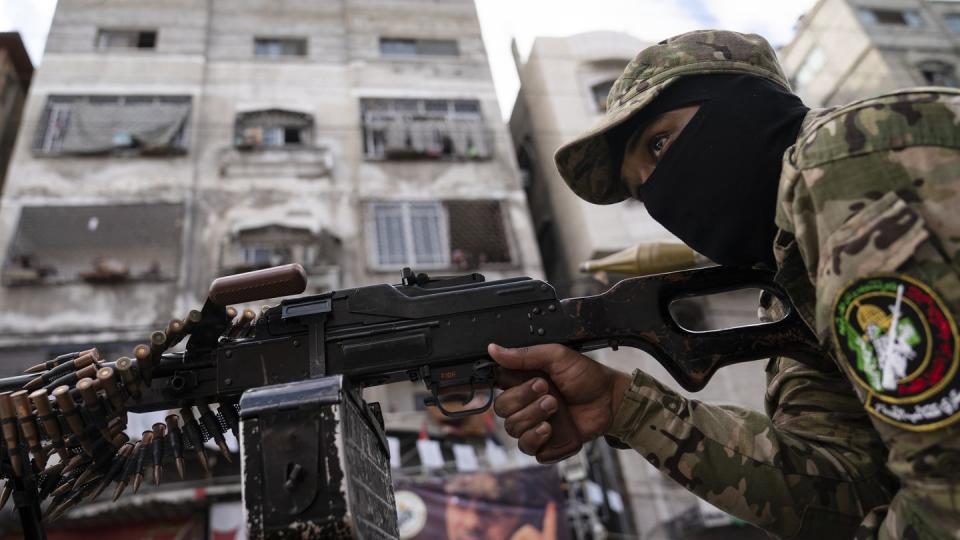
519	504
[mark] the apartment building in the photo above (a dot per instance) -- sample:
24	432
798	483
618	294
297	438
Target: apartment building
168	143
16	70
564	84
845	50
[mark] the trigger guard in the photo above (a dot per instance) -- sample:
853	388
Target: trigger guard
438	403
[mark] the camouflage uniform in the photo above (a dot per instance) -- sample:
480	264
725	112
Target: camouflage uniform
869	250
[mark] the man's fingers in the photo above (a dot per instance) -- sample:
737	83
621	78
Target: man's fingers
518	397
508	378
546	358
531	415
531	441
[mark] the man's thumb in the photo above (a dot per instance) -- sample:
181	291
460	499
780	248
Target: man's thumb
534	358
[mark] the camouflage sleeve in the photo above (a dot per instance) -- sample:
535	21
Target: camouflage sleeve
871	197
814	467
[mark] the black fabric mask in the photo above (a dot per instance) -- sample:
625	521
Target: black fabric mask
716	186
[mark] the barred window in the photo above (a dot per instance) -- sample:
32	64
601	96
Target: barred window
272	128
424	129
462	235
96	125
278	47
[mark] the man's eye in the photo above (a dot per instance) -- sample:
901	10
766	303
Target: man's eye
657	145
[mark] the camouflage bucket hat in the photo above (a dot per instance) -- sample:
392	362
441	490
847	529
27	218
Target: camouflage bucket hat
587	163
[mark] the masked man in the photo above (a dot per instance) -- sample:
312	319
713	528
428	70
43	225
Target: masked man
858	210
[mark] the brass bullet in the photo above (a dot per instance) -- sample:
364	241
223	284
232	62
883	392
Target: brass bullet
51	477
70	379
116	468
144	363
63	488
50	423
28	426
50	364
213	427
191	431
191	321
91	402
124	368
81	362
8	419
229	413
75	462
146	447
243	323
159	431
176	441
129	469
174	333
72	415
108	382
231	314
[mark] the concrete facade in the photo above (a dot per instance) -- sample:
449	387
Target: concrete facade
235	201
845	50
16	71
561	84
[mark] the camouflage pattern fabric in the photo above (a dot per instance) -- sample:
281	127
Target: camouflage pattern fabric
586	163
869	250
870	191
870	196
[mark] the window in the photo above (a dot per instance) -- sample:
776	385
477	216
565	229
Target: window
424	129
464	235
892	17
952	20
600	92
108	39
275	244
277	47
418	47
272	128
938	73
409	234
97	125
811	65
98	244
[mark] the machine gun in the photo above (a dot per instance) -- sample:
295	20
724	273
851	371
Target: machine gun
313	452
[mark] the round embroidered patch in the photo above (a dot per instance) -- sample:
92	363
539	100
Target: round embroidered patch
900	342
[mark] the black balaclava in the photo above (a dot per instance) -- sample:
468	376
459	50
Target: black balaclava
716	186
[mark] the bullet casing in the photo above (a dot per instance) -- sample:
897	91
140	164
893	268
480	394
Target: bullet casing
28	425
8	418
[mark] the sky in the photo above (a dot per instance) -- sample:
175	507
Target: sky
523	20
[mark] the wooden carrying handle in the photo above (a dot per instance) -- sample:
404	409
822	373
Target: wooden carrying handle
564	438
285	280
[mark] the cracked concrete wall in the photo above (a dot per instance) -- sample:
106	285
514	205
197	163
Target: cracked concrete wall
205	50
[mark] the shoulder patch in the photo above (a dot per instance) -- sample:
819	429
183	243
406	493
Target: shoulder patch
899	342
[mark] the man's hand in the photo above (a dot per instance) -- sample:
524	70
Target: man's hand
590	391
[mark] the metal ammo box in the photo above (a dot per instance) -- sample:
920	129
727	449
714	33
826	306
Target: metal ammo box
315	463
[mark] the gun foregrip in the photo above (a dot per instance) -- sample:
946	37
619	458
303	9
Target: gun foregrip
285	280
564	438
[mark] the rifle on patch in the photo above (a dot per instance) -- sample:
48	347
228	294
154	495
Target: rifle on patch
288	383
